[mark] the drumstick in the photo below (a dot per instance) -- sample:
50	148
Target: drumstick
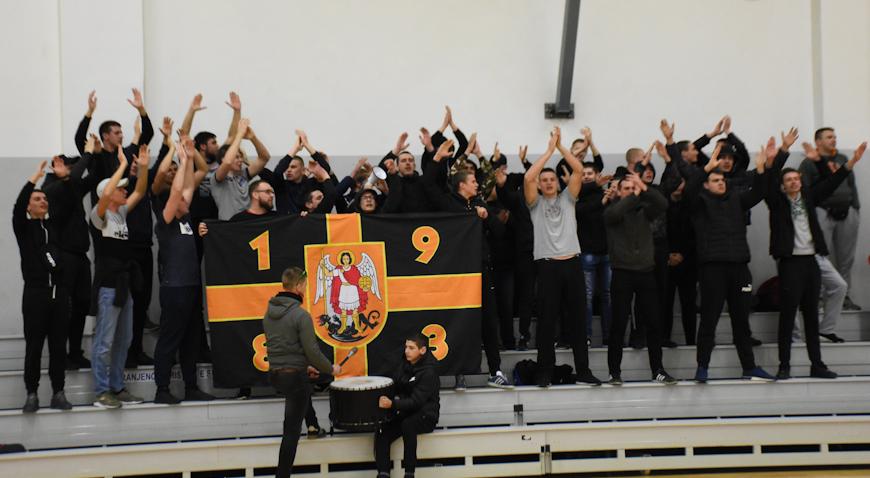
349	355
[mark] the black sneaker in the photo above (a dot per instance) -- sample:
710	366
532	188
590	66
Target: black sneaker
833	338
460	386
523	344
669	344
562	346
315	432
849	305
77	362
586	378
59	401
196	395
755	342
542	380
784	372
31	403
165	397
664	377
615	380
244	393
821	372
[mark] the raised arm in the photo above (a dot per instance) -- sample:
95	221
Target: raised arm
82	130
173	204
753	196
147	128
262	153
199	167
103	203
530	178
195	107
236	104
575	180
824	188
164	160
141	177
226	164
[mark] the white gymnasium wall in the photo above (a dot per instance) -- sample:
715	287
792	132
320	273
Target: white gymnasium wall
355	74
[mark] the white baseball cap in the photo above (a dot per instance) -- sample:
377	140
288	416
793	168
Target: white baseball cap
102	186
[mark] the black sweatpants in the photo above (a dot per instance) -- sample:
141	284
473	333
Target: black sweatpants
683	278
641	286
524	290
504	292
406	428
141	298
799	282
489	324
297	395
721	281
46	315
180	331
77	282
561	291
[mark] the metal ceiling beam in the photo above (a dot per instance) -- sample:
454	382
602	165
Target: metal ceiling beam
563	108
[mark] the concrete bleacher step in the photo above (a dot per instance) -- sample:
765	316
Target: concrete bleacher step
850	358
149	423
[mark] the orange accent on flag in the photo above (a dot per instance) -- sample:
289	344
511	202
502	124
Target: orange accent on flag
356	366
343	228
239	302
447	291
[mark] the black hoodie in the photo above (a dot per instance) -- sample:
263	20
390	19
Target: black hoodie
37	243
417	387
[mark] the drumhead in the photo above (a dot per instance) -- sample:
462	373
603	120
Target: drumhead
371	382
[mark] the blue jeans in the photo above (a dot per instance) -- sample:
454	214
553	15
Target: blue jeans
596	269
113	333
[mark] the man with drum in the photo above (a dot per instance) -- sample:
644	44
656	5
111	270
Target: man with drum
293	356
414	409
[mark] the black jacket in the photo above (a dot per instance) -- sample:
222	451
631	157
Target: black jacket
629	230
407	195
37	243
65	204
720	221
511	196
590	220
416	388
781	223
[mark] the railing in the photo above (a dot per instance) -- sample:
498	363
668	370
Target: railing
496	451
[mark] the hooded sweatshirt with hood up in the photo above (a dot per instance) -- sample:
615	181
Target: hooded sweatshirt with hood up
290	339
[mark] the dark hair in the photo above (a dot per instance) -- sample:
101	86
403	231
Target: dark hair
297	158
292	276
819	132
460	177
222	151
548	170
590	164
786	171
201	139
578	140
715	171
253	187
106	126
310	196
421	340
683	145
343	255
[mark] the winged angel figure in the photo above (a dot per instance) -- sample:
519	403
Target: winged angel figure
346	286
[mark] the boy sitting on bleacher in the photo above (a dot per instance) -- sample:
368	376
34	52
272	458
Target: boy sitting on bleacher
415	406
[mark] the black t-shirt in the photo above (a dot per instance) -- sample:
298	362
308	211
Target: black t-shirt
245	215
177	260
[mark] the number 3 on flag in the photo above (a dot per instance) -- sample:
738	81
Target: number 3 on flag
437	340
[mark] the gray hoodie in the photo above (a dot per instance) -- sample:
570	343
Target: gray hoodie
290	339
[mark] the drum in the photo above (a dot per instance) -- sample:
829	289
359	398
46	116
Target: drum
354	402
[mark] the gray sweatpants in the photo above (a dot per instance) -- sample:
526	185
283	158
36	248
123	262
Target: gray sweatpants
833	292
842	238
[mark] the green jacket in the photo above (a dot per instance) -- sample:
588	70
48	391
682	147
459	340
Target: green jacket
290	339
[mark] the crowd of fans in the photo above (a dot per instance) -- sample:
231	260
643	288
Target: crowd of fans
563	243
